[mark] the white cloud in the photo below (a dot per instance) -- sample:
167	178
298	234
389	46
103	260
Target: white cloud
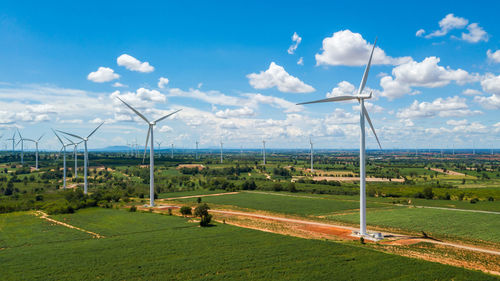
296	41
142	99
449	107
212	97
343	88
493	56
300	61
491	83
420	32
134	64
471	92
457	122
162	82
103	74
347	48
475	34
255	99
464	126
276	76
448	23
165	129
239	112
119	85
426	74
491	102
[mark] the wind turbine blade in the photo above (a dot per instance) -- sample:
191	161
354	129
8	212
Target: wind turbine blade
29	140
367	70
19	134
371	125
58	137
19	142
72	142
339	98
69	134
41	137
146	145
95	130
133	109
168	115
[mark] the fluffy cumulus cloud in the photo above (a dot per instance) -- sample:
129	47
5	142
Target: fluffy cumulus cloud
296	39
162	82
255	99
464	126
239	112
493	56
119	85
426	73
491	102
133	64
343	88
103	74
449	107
142	99
475	34
348	48
471	92
450	22
300	61
491	83
276	76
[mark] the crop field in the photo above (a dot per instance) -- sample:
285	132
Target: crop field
159	247
441	223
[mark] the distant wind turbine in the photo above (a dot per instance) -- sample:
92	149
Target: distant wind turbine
36	146
159	146
264	151
13	139
63	148
312	155
75	154
151	150
85	155
196	152
221	144
172	151
363	115
21	140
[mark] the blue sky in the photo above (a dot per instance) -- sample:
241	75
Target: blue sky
231	68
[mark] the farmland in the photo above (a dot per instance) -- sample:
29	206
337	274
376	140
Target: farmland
164	247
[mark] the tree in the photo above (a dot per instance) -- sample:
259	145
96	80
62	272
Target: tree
428	194
186	211
202	212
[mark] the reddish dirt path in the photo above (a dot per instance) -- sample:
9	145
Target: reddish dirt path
45	216
195	196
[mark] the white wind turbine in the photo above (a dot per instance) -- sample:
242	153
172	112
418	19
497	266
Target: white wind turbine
85	155
36	146
312	158
21	140
151	150
196	152
159	146
221	147
172	151
13	139
362	150
64	157
75	154
264	151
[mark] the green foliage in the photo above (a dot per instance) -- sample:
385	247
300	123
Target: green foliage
185	211
201	211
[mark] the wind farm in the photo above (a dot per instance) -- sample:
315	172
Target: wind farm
260	164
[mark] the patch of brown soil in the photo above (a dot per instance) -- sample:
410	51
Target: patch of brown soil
448	172
190	166
45	216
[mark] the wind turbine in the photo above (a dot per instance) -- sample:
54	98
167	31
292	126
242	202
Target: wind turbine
264	151
172	151
312	155
151	150
221	144
13	139
196	152
21	140
75	154
36	145
64	157
85	155
159	146
362	150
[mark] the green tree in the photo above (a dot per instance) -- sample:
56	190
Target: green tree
202	212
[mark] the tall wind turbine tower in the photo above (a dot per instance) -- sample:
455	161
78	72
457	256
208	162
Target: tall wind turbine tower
151	125
221	144
13	139
75	154
172	151
36	151
264	151
362	150
85	155
312	155
64	158
196	152
159	146
21	140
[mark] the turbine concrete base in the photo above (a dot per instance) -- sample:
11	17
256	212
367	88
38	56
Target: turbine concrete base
372	236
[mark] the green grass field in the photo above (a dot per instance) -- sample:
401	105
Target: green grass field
146	246
441	223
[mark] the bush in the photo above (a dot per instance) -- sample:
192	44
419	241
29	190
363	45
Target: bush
474	201
132	209
202	212
186	211
428	194
58	207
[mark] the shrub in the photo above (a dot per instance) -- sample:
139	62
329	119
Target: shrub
474	201
198	200
202	212
186	211
132	209
428	194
